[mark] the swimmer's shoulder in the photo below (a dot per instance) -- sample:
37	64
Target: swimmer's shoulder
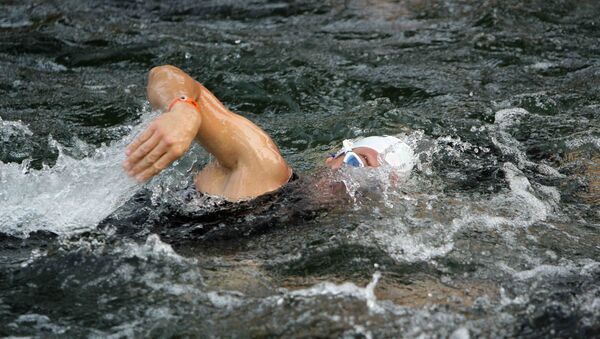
242	183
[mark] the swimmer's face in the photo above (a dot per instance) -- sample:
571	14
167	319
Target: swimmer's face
369	157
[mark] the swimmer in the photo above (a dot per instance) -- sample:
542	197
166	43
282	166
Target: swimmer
246	163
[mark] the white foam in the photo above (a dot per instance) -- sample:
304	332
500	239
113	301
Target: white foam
40	322
163	269
425	227
509	146
545	271
225	299
346	289
542	66
15	139
505	118
403	244
503	140
522	192
152	248
7	23
520	207
71	196
576	143
13	128
50	66
581	268
460	333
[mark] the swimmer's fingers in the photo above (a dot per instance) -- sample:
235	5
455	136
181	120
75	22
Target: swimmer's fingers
141	151
149	160
156	167
139	140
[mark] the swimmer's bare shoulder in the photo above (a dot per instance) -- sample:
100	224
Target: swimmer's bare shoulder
246	163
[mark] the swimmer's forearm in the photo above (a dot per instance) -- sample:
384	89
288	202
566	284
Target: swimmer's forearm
170	135
165	83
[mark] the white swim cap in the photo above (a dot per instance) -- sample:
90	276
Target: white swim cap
392	150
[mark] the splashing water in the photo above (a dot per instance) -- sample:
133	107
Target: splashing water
72	196
420	226
347	289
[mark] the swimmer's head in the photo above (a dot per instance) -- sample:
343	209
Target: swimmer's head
373	151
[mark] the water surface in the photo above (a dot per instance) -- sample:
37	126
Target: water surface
494	233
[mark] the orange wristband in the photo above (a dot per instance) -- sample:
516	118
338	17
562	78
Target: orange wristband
187	100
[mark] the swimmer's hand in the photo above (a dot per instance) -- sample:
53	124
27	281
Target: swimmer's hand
166	139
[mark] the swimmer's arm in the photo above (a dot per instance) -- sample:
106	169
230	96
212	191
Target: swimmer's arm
170	135
230	138
235	141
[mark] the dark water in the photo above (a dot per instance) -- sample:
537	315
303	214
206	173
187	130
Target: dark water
494	233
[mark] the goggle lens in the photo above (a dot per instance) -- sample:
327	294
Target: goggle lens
352	159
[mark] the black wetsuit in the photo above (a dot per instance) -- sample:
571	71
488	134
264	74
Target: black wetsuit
213	219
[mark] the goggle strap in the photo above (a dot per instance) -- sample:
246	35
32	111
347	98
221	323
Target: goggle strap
346	147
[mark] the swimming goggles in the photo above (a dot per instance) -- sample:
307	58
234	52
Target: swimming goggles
350	158
353	159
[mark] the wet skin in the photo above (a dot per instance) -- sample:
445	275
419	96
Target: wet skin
247	162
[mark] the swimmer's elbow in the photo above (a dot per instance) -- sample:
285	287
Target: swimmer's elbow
162	71
167	82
